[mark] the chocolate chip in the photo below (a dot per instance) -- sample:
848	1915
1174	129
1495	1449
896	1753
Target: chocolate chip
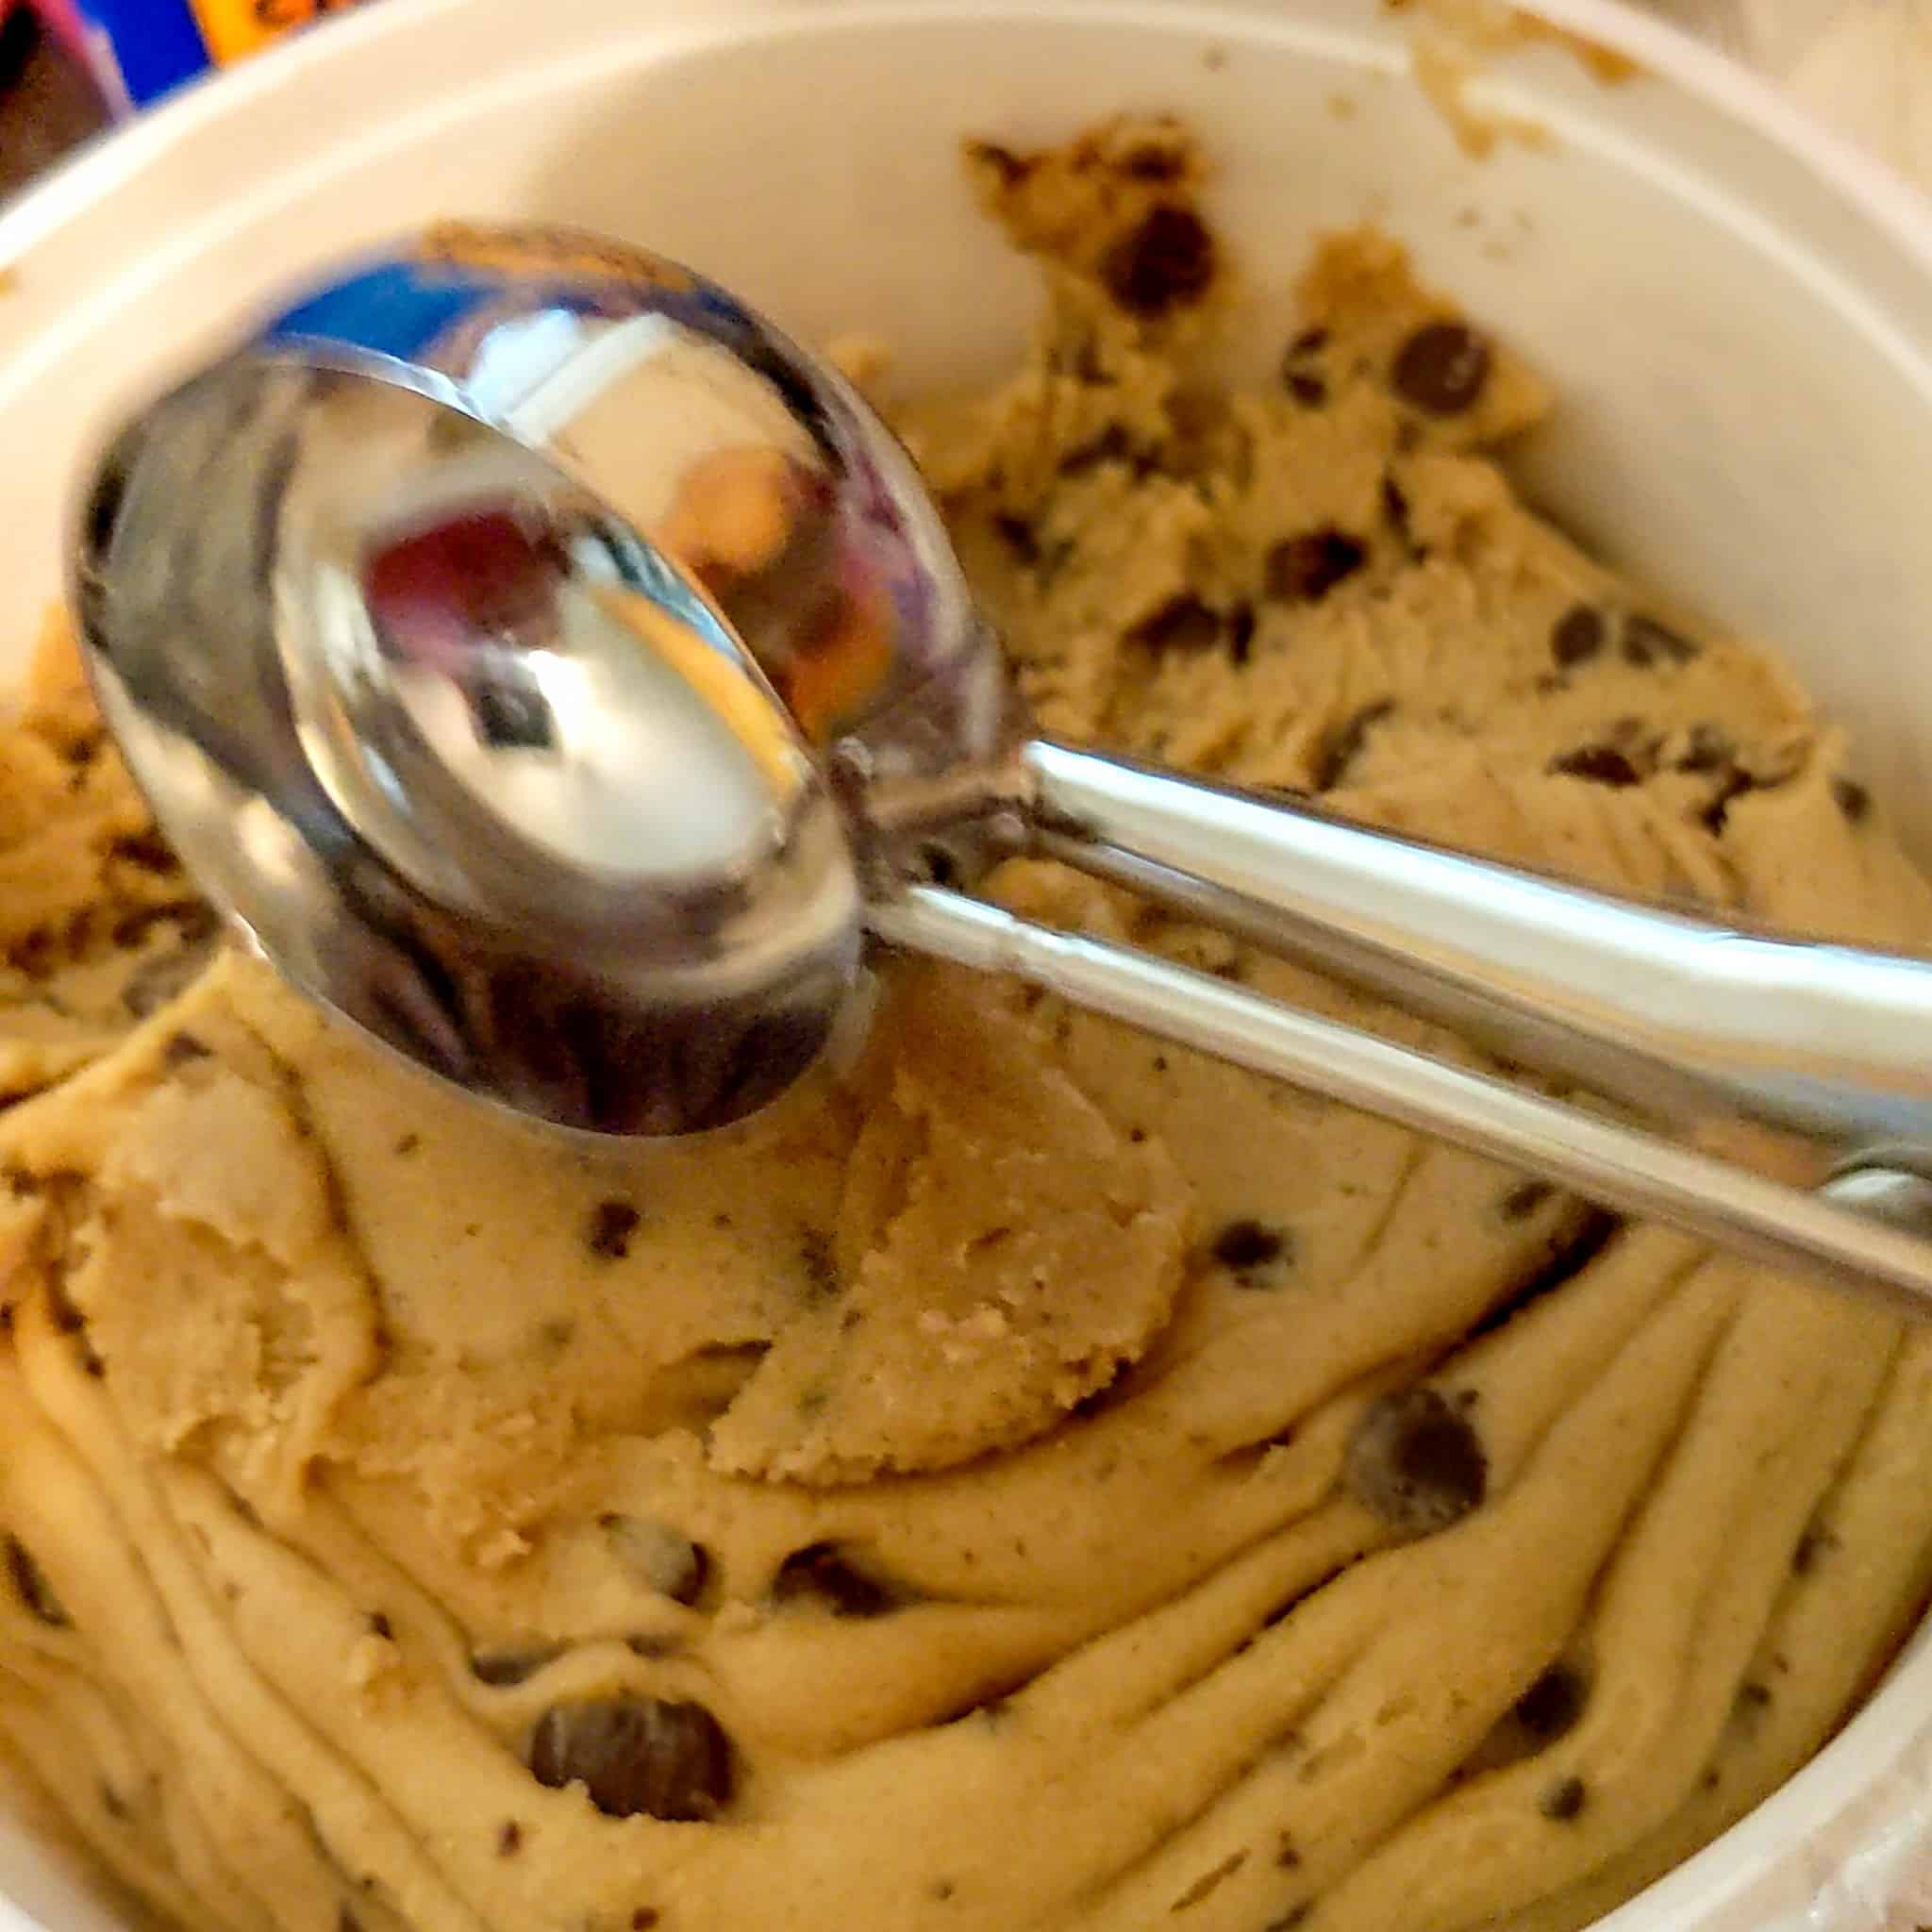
1395	508
1309	390
346	1920
1816	1542
1112	445
1550	1708
1292	1920
501	1669
662	1559
183	1049
1182	623
166	977
1253	1253
1852	799
1013	169
1753	1696
1166	261
510	1838
1646	643
1564	1800
1304	569
1343	745
1019	537
821	1573
31	1587
146	852
1523	1200
636	1756
612	1224
1241	632
1415	1461
1578	636
822	1283
1707	749
1310	341
643	1919
1442	368
379	1625
1600	764
1717	809
1152	162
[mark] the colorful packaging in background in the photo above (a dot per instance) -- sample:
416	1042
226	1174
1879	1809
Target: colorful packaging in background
140	49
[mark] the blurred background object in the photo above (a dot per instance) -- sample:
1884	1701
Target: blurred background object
1864	67
48	101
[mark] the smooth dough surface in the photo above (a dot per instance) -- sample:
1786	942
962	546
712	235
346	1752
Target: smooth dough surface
1038	1478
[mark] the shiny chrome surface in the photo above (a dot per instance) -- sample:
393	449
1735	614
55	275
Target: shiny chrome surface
1697	1027
1867	1234
470	762
555	667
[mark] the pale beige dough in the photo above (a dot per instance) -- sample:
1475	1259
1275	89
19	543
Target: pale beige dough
1039	1478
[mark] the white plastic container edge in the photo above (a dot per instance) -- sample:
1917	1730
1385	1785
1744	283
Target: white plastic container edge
1736	308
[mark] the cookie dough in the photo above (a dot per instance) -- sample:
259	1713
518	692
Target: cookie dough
1039	1477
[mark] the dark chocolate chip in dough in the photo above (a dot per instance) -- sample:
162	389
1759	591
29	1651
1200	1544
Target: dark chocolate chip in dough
1813	1546
183	1049
1165	261
31	1587
1151	161
1416	1461
1182	623
1304	569
1523	1200
379	1625
1852	799
1112	445
346	1920
1292	1920
1249	1250
1396	508
1716	813
1019	537
1578	636
822	1283
501	1669
1564	1800
1309	390
636	1756
824	1574
1550	1708
1600	764
1343	745
161	978
643	1919
1310	341
1013	169
1241	632
510	1838
1646	642
1707	749
146	852
612	1224
1442	368
662	1558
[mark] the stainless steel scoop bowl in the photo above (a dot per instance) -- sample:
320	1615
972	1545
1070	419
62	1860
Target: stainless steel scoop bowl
565	676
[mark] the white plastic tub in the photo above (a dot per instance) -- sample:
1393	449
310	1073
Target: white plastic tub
1737	312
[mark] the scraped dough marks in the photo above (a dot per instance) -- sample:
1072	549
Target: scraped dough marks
1040	1477
1004	1252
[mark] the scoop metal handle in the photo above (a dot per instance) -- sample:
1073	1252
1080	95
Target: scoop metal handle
1869	1231
1695	1025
